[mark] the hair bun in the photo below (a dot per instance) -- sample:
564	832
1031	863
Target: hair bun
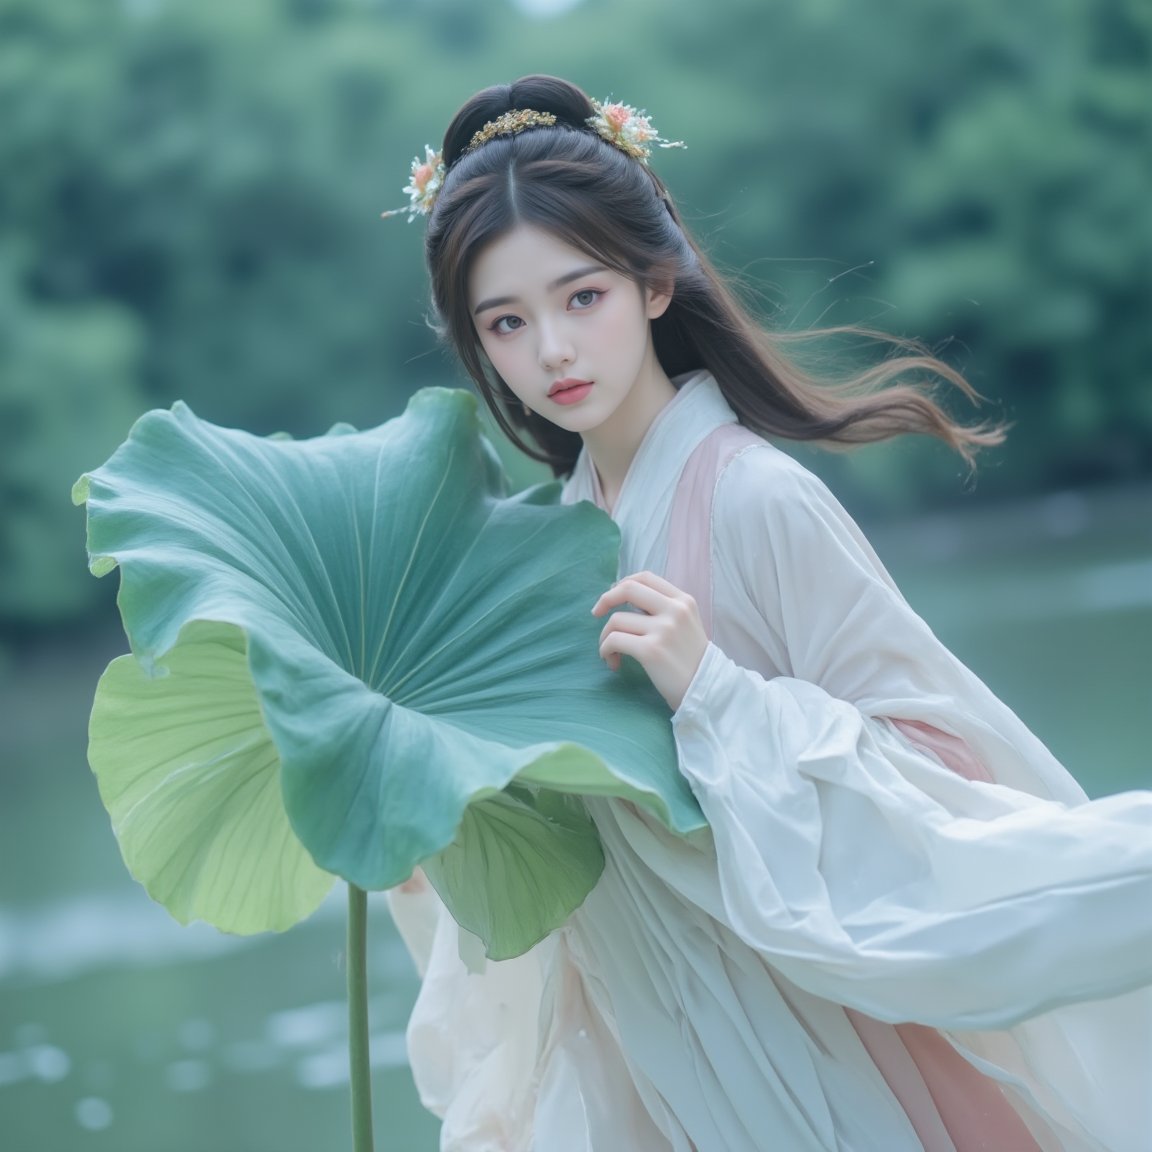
540	93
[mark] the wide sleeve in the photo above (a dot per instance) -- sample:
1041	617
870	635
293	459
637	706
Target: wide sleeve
861	867
795	567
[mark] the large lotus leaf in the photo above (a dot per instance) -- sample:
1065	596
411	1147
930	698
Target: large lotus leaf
408	652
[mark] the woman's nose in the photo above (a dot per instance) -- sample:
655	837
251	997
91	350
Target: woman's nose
555	347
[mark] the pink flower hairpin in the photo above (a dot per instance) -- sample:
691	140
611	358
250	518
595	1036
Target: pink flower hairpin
629	129
423	186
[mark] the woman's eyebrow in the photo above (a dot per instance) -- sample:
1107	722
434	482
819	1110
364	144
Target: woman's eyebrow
559	282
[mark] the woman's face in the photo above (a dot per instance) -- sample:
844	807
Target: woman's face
569	337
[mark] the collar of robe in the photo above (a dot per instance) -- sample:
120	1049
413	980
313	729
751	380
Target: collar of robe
645	499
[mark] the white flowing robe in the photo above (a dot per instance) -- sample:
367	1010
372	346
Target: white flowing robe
904	928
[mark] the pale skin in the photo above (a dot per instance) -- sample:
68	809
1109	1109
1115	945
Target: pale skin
544	313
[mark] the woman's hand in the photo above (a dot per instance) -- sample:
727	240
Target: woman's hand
665	635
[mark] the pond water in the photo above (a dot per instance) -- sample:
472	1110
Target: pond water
121	1031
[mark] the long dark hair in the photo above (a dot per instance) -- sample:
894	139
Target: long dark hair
568	181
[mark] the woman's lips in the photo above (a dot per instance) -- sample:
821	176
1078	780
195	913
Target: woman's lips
569	391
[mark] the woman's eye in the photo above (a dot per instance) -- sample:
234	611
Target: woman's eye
586	297
506	324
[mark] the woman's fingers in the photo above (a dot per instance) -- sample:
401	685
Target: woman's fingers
637	623
618	626
644	590
659	626
656	581
618	644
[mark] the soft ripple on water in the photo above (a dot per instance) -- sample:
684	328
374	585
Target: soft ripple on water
93	1113
60	940
307	1026
1122	586
330	1068
66	938
43	1062
188	1075
249	1056
1089	590
196	1035
315	1032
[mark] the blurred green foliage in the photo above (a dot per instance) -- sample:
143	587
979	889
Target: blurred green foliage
190	191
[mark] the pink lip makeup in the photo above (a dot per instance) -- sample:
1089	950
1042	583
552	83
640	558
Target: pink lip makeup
569	391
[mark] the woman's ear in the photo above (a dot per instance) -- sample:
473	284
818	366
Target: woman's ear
657	297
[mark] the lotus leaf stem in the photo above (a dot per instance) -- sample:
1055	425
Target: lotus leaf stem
358	1056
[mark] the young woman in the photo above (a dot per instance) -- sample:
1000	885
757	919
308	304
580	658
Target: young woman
904	925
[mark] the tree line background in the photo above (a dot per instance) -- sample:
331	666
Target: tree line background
190	192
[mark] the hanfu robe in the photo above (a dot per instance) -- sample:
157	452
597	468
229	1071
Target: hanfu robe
904	928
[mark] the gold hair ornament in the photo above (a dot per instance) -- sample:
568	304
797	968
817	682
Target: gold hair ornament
509	124
621	125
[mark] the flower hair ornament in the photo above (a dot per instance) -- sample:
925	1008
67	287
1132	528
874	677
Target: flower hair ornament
423	185
629	129
623	126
